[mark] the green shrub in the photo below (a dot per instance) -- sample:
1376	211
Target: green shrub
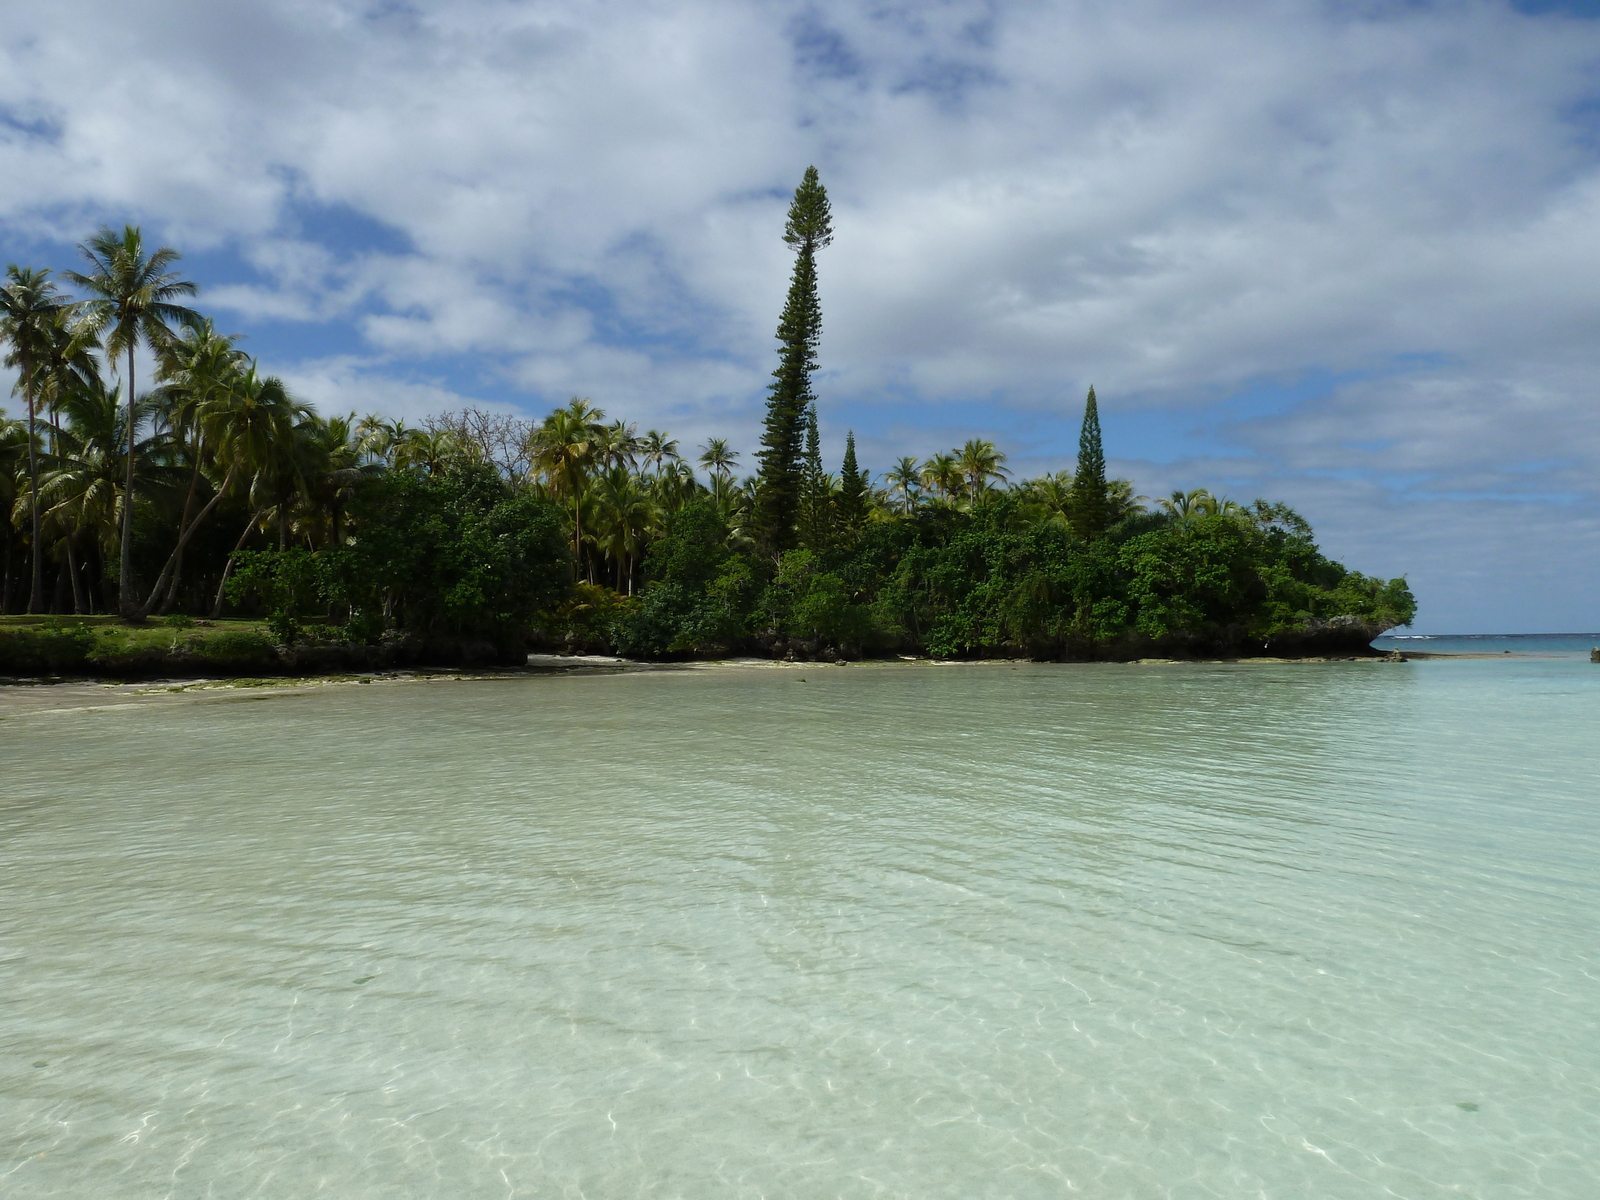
364	627
52	647
284	628
239	646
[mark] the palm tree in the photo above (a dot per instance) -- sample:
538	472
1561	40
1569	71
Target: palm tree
1049	499
905	480
256	436
655	448
732	502
1121	502
1191	506
30	310
674	484
378	439
13	452
942	474
624	517
133	296
979	462
718	459
431	450
199	371
68	363
85	489
335	453
617	445
564	446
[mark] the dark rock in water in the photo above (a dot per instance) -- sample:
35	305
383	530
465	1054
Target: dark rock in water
1335	636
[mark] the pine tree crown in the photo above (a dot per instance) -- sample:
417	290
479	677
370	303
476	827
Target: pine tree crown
810	222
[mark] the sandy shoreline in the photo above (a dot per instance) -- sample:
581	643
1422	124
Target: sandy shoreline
47	697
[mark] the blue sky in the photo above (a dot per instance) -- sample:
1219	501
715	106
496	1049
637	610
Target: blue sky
1342	254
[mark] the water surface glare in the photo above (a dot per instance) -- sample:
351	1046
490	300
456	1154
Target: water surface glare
878	931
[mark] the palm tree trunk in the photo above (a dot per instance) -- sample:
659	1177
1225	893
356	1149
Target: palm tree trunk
36	588
127	605
58	598
216	606
177	565
577	532
169	573
80	600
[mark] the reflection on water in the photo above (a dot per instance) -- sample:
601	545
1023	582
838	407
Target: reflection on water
871	931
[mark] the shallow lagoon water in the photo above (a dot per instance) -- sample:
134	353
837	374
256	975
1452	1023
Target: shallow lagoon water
1323	930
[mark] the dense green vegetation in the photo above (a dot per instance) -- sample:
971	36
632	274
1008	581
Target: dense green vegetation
480	530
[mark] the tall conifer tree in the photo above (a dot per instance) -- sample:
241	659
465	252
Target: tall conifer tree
816	499
809	228
852	487
1090	510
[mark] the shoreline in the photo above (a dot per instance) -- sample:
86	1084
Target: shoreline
49	696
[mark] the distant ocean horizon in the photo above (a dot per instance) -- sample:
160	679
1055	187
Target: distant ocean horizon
1564	645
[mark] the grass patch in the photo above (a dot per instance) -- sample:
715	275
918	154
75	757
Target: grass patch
103	645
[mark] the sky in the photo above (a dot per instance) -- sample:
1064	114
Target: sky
1341	254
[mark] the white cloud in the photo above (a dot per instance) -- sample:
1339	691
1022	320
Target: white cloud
346	384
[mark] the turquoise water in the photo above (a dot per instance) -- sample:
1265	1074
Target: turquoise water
879	931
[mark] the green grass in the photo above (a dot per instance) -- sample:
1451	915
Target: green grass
104	620
79	645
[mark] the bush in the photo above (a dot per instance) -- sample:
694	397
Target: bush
364	627
239	647
50	648
283	626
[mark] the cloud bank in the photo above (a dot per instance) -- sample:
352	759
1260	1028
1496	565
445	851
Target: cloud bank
1338	253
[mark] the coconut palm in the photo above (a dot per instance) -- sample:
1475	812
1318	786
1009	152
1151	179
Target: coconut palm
430	451
656	448
731	499
942	474
1121	502
624	518
1191	506
564	447
617	446
30	312
718	459
905	481
979	462
199	371
133	300
69	361
334	455
674	484
13	456
257	435
1049	498
378	438
85	490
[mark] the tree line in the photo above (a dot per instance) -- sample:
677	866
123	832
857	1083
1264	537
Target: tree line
216	490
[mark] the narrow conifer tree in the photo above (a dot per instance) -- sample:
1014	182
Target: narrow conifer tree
778	487
816	502
1090	510
852	487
